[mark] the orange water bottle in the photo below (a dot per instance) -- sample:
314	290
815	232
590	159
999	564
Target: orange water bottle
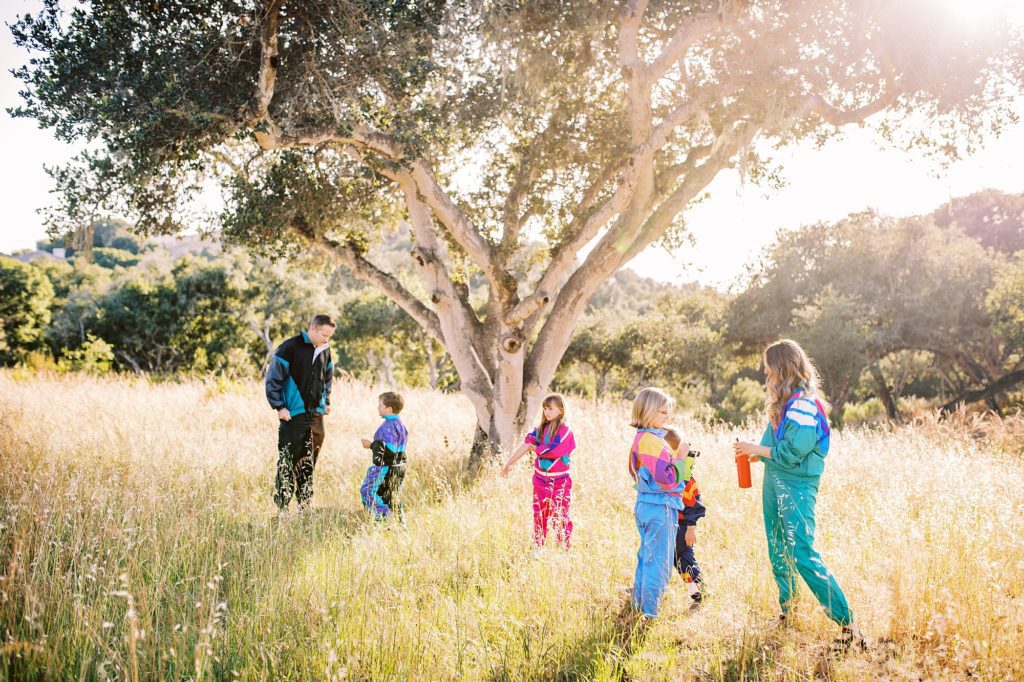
743	469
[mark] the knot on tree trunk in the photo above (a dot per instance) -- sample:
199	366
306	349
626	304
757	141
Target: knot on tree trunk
422	256
511	343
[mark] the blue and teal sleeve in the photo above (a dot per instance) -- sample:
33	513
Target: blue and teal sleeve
277	375
796	443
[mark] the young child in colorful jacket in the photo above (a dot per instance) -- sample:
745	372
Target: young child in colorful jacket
686	535
383	483
660	483
553	443
793	449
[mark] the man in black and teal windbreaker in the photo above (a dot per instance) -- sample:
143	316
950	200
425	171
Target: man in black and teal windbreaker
299	388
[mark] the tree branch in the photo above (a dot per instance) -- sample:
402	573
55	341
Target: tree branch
1003	383
270	18
460	228
368	272
457	319
638	90
616	248
681	42
583	229
816	104
701	176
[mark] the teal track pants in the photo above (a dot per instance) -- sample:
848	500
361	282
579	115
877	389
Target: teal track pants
789	524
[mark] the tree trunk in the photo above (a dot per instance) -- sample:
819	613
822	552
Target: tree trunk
387	363
130	360
433	363
838	399
996	387
602	384
885	395
502	415
268	343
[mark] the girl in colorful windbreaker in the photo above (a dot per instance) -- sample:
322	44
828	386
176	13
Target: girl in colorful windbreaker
793	449
686	536
660	483
553	444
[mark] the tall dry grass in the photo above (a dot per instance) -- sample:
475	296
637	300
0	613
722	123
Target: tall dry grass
137	541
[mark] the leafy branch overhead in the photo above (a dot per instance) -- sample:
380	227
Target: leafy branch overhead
591	125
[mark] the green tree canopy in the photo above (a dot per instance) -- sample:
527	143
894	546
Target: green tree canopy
867	287
25	298
591	123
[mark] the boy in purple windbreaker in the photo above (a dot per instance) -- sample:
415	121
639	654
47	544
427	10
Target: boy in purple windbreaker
383	483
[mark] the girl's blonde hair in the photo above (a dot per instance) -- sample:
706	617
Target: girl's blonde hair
792	368
556	423
647	403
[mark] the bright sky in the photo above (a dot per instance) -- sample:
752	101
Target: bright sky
730	228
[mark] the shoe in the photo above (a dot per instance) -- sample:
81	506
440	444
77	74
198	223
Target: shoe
849	637
701	593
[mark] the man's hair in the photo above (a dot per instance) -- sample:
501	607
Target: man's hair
673	438
321	320
392	400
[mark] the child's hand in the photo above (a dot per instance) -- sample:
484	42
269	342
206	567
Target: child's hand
505	469
691	536
366	443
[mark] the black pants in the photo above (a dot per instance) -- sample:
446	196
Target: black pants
685	561
298	446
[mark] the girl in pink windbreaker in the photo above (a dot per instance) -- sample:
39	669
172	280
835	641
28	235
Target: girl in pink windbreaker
553	444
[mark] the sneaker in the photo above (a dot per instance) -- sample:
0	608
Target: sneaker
701	593
849	637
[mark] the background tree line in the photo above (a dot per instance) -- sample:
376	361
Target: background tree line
900	315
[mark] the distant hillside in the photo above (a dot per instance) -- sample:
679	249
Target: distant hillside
192	244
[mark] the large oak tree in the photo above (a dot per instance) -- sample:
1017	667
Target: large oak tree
589	124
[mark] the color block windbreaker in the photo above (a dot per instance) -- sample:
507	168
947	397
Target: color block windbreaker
799	442
299	378
658	476
389	441
553	451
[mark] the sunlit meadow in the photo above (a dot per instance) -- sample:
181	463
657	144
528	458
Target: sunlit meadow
138	541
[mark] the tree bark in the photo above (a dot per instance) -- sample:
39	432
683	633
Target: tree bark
1002	384
885	395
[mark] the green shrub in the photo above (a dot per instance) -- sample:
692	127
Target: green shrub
744	400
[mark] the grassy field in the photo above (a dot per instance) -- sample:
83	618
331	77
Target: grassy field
138	541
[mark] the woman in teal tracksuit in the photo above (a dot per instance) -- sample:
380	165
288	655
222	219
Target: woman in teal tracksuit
793	449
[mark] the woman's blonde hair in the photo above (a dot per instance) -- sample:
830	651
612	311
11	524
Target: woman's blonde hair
556	423
792	368
647	403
